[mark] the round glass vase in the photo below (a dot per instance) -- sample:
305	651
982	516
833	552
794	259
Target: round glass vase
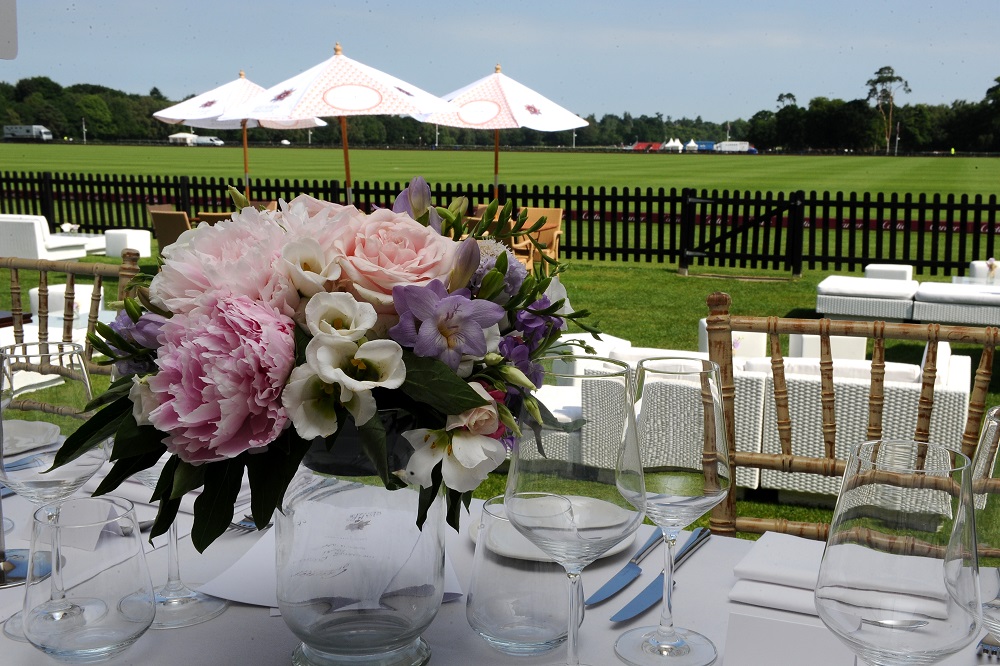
357	580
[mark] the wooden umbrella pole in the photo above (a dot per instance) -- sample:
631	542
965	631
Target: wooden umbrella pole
347	159
246	162
496	163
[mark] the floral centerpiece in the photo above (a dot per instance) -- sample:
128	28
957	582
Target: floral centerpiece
266	333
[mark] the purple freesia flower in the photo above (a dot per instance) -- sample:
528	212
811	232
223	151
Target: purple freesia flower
142	333
489	250
440	325
535	327
516	350
415	201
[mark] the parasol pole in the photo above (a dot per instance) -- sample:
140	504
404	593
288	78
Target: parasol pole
496	163
347	159
246	160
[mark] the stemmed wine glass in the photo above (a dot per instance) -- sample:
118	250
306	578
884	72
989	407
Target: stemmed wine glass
177	605
575	486
899	583
44	391
986	498
682	435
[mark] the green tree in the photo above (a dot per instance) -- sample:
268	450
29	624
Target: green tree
882	88
762	130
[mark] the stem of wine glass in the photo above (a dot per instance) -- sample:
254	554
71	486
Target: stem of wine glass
666	631
58	589
572	651
173	565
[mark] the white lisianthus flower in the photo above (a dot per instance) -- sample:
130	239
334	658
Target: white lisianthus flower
339	314
479	420
307	266
309	403
556	291
467	458
357	370
143	400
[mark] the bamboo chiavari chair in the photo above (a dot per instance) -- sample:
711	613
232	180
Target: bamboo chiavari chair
25	273
721	325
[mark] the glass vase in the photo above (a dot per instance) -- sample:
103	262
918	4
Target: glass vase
357	580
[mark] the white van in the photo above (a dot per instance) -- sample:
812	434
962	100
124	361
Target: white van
209	141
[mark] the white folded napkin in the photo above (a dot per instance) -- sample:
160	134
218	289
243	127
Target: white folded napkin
884	581
779	572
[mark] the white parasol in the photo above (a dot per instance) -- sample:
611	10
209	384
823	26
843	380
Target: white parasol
499	102
339	87
204	111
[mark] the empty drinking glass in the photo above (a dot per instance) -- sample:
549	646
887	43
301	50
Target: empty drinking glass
99	598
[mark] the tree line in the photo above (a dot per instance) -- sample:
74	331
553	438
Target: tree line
875	124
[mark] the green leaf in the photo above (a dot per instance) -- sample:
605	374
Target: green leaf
433	383
119	388
188	477
455	502
132	309
164	516
491	285
114	338
271	471
427	495
125	468
132	439
100	346
372	436
213	510
93	432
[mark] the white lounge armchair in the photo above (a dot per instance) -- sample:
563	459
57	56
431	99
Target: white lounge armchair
28	237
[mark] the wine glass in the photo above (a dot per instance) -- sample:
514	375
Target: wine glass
575	486
177	605
44	391
986	488
682	435
898	583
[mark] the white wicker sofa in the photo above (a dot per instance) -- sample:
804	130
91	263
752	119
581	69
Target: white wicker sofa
843	296
943	302
28	237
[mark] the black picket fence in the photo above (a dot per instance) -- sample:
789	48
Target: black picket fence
777	231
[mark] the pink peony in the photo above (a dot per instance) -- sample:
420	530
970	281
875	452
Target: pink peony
386	249
222	369
234	257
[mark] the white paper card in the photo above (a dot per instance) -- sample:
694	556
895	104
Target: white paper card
758	640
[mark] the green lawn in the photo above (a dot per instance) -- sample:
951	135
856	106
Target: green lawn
785	173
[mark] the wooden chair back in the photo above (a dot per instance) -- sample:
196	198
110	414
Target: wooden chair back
212	218
168	225
271	205
548	235
26	274
721	325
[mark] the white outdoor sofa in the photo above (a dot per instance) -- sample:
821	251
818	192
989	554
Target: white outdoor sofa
843	296
28	237
943	302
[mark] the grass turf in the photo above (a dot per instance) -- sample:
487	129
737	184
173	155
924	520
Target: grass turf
784	173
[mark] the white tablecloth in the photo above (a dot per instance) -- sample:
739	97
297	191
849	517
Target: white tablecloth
248	635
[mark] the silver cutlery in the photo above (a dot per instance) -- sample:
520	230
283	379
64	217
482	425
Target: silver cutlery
988	647
628	573
653	593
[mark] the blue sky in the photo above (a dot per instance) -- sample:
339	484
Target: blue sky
719	60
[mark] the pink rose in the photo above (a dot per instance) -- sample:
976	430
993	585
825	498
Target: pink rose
235	257
479	420
386	249
222	369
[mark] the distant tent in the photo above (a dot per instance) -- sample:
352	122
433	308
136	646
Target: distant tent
691	146
673	146
182	139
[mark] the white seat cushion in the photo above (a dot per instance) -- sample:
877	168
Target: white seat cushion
889	271
844	285
968	294
906	373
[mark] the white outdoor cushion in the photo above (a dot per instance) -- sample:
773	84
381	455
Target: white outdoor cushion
745	343
841	346
842	369
979	270
563	401
966	294
845	285
82	293
889	271
943	362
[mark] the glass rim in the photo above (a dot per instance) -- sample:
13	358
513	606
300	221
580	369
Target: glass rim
41	514
707	365
962	461
53	348
621	368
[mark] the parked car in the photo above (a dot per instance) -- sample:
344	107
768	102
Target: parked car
209	141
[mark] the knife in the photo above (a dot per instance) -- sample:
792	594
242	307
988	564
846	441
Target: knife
629	572
653	593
